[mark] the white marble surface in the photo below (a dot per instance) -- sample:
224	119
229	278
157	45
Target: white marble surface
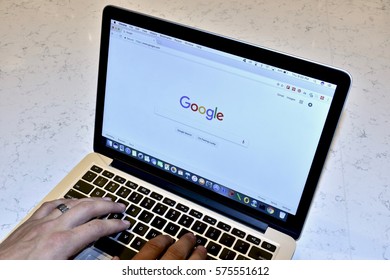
48	70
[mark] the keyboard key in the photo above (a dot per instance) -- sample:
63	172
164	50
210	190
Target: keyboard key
213	248
145	216
268	246
186	221
114	248
72	194
259	254
227	254
160	209
131	220
138	243
196	214
238	233
123	192
125	237
97	193
119	179
156	196
169	201
97	169
108	174
133	210
143	190
253	239
224	226
100	181
199	227
125	202
242	258
210	220
159	222
111	187
213	233
89	176
152	234
114	235
113	197
140	229
172	215
135	197
171	229
200	240
241	246
182	207
227	240
131	185
117	216
83	187
182	232
148	203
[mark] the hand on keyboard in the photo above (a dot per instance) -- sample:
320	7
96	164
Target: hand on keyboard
61	228
162	247
152	213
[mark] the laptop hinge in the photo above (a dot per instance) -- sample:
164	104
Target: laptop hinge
191	195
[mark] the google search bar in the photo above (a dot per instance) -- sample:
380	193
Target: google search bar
194	124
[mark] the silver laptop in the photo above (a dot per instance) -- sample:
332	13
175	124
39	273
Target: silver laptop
203	133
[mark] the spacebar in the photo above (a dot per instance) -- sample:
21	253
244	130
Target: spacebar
113	248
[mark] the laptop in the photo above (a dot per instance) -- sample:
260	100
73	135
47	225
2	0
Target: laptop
203	133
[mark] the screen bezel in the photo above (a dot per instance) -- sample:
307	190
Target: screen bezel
294	224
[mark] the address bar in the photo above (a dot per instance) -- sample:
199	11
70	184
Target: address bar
139	38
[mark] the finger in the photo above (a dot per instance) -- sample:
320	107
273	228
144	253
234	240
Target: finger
47	208
181	249
50	210
83	235
86	210
153	249
200	253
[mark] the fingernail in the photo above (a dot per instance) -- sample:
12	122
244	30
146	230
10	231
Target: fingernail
126	222
107	198
122	205
172	240
190	235
202	249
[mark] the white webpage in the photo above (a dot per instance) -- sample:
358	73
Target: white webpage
237	131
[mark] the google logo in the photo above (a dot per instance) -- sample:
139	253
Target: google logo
185	102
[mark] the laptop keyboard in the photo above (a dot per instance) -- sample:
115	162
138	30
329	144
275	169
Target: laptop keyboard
151	214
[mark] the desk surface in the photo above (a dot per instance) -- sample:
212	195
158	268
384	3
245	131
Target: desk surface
49	57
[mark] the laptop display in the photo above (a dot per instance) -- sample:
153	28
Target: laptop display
224	122
233	124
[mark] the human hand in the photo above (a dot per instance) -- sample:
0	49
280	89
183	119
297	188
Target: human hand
162	247
51	234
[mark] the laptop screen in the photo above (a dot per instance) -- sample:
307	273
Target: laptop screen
240	128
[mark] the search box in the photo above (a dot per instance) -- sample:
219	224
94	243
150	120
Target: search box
216	132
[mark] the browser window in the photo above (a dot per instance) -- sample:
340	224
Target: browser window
177	102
